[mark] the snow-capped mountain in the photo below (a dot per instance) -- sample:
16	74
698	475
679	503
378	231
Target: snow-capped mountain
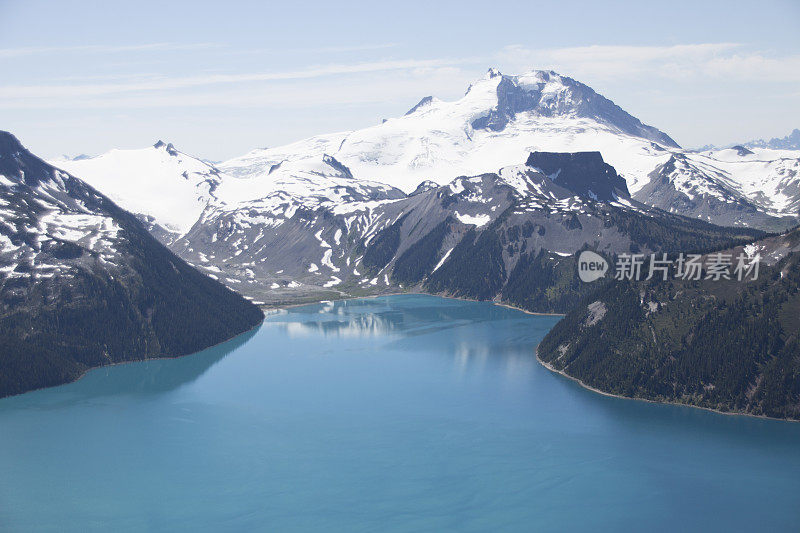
271	224
498	122
82	283
165	187
502	118
733	186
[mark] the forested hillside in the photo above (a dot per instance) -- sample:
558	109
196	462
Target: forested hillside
729	345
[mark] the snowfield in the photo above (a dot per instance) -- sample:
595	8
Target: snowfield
157	181
436	141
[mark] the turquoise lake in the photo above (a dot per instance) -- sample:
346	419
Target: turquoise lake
402	413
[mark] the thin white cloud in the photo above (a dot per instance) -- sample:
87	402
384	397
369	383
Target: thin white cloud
402	87
313	50
101	49
346	48
756	67
679	62
653	68
28	92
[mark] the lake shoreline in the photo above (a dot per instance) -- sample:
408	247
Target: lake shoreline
546	365
315	405
116	363
266	309
588	387
372	296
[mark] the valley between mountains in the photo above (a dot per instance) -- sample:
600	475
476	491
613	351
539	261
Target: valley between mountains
489	197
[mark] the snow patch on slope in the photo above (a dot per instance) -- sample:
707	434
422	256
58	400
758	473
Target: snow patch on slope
476	220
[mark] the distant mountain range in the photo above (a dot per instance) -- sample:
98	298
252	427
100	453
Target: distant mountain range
790	142
322	233
82	283
498	122
291	223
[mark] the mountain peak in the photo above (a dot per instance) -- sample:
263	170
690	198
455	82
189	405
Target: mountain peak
790	142
9	144
168	147
426	101
425	186
546	93
496	123
492	73
18	164
741	150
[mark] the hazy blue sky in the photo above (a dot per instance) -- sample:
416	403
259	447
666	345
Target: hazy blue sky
219	78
